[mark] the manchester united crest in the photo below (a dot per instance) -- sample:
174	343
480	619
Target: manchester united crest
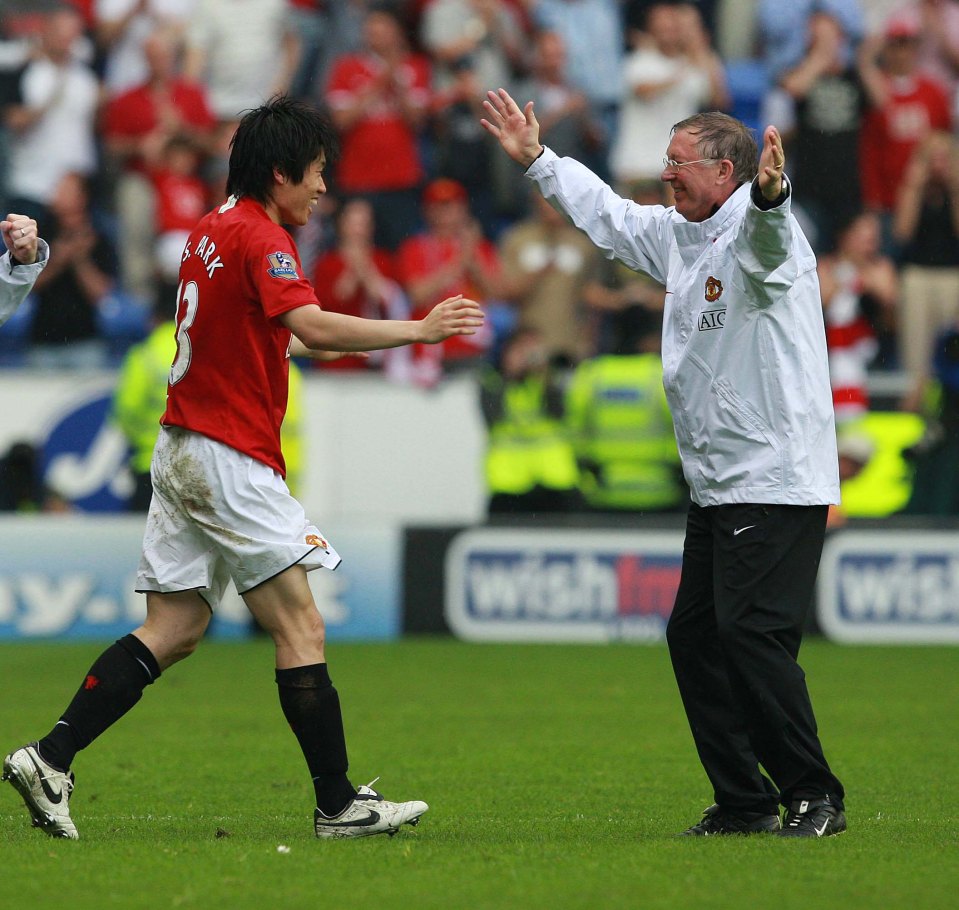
714	289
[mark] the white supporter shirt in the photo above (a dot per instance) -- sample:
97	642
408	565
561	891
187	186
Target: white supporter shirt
126	66
62	139
637	153
242	42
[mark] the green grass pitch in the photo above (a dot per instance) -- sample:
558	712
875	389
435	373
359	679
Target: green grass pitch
556	777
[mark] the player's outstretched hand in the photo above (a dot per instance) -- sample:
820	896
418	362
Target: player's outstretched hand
20	237
517	130
772	160
454	316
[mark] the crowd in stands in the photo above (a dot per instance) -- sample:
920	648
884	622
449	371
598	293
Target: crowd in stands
117	116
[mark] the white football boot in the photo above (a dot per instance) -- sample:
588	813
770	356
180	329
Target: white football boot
45	790
367	814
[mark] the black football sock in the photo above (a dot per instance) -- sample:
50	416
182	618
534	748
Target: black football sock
312	709
113	686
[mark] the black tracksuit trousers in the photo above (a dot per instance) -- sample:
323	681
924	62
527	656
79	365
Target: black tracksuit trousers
747	583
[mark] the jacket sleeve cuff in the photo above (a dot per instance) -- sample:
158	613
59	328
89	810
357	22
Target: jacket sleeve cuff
43	253
544	158
764	204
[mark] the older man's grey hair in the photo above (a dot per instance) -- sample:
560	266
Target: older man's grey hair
720	136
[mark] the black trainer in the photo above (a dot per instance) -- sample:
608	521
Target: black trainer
718	821
813	818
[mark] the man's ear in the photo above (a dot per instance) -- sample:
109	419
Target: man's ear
726	170
279	177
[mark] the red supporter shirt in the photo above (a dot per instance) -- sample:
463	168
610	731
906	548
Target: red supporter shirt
424	254
328	271
380	150
891	133
230	378
180	201
136	113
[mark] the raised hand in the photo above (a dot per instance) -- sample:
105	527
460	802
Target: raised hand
454	316
20	237
517	130
772	160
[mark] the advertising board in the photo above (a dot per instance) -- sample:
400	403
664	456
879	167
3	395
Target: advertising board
72	577
561	585
890	586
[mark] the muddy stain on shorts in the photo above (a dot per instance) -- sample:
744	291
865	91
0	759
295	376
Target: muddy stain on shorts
192	489
184	480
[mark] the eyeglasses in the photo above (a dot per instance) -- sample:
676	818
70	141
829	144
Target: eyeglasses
670	165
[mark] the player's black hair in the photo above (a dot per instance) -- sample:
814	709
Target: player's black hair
284	134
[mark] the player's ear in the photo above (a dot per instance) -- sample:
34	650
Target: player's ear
279	177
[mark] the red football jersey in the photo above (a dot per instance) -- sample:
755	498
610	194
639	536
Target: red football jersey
230	378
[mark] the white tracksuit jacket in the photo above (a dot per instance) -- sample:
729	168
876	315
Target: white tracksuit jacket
744	346
16	281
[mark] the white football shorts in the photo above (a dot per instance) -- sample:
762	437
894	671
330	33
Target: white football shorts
218	514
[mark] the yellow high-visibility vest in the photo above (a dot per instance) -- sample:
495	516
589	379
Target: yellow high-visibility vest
622	433
139	401
884	485
528	447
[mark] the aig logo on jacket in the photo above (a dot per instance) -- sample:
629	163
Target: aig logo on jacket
712	319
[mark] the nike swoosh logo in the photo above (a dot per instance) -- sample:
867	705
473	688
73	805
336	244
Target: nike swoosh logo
739	531
822	830
370	820
53	795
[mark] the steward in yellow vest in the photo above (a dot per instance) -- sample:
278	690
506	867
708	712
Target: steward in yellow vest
880	482
622	432
139	401
530	466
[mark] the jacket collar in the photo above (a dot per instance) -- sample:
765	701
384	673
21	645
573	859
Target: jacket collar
692	236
